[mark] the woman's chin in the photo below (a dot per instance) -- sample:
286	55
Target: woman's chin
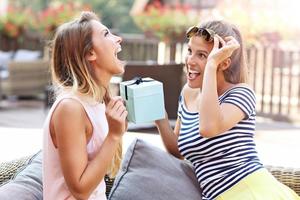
121	71
121	66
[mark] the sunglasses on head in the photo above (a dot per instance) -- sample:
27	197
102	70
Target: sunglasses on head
207	34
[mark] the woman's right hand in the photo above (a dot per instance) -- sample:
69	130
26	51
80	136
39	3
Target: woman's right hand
116	114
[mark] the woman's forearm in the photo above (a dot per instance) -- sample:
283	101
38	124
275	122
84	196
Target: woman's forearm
168	136
95	169
209	109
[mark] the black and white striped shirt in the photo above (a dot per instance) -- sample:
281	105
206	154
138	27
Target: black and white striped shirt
221	161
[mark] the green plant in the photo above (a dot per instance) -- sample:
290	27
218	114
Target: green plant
165	22
115	14
56	14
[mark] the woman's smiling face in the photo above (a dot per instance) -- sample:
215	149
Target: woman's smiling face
106	46
198	51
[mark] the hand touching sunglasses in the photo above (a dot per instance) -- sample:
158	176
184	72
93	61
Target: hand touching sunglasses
206	33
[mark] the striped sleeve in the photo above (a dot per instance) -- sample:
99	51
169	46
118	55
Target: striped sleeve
243	98
179	110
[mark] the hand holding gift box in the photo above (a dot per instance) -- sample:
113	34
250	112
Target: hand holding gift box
144	99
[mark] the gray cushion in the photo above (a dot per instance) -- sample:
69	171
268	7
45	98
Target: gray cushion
27	183
149	173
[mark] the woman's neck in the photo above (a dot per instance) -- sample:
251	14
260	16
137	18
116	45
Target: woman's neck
222	88
103	78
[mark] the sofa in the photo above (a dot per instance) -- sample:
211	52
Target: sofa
22	178
147	172
23	73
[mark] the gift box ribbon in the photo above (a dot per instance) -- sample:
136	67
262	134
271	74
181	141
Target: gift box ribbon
138	80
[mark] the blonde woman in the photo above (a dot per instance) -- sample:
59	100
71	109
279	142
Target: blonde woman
84	127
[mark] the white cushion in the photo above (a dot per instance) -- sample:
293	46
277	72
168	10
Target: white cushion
26	55
5	57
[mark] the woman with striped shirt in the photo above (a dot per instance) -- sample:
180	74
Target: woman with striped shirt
216	119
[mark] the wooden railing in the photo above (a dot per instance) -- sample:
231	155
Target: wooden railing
275	77
138	48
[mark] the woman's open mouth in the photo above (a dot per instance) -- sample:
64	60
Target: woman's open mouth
119	49
192	75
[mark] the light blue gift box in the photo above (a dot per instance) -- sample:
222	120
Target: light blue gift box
144	99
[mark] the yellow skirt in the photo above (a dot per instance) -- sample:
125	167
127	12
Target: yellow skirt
260	185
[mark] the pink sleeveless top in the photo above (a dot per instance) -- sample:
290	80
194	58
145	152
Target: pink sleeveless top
54	186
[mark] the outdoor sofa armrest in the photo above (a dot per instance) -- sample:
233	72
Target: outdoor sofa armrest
287	175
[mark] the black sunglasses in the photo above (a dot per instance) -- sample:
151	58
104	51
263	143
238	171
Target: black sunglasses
207	34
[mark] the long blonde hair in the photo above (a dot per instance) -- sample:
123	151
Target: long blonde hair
238	70
72	71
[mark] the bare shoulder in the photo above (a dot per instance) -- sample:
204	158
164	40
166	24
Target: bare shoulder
69	107
68	111
68	122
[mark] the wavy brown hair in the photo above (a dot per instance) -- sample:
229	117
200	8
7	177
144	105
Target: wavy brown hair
237	72
72	71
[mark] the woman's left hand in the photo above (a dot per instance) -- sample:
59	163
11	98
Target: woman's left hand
219	54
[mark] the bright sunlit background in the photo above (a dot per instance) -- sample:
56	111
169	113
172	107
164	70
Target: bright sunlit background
154	31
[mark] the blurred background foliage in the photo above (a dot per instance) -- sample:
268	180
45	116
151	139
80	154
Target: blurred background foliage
115	14
267	20
166	22
43	16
